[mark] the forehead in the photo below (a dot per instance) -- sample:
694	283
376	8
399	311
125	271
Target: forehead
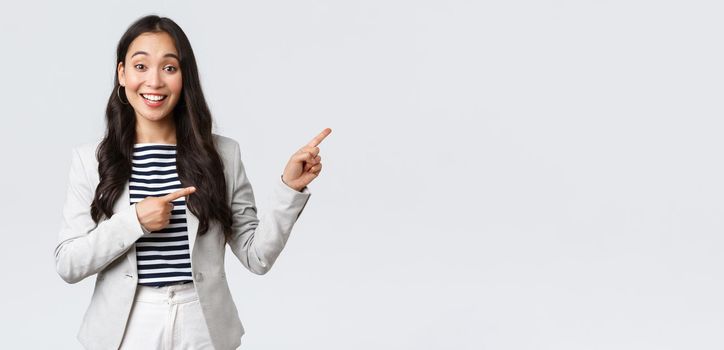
156	45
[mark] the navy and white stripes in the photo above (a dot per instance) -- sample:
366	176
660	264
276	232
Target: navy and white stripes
163	256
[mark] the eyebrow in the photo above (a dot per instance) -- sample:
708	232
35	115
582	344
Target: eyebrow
146	53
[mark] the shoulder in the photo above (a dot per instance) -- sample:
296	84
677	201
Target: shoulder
224	143
227	148
86	151
83	161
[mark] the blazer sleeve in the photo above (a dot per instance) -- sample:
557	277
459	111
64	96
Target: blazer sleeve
84	248
257	243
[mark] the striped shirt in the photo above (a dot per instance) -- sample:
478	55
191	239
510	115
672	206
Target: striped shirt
162	256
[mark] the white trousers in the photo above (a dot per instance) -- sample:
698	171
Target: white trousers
166	318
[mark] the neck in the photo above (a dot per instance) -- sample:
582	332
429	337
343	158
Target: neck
159	131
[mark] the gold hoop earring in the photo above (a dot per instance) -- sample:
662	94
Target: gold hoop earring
118	93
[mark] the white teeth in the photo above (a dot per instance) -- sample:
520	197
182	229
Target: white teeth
153	97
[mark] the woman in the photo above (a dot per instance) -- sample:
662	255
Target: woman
151	207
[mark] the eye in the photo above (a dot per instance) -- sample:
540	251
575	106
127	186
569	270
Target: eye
139	66
170	68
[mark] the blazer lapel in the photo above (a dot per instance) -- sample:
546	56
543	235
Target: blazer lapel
192	225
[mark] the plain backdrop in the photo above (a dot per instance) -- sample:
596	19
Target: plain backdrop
501	174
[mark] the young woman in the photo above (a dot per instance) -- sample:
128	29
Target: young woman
151	207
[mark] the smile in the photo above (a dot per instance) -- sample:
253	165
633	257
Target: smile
153	98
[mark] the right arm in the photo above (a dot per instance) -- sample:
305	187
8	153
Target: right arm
84	247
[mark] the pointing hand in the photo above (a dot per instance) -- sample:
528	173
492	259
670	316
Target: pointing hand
305	164
154	213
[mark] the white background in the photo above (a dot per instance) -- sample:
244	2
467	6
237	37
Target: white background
500	175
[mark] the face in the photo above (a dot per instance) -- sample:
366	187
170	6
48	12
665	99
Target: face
151	76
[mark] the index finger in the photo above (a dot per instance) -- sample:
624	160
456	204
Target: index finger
318	139
178	194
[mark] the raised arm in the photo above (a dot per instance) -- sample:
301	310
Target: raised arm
258	242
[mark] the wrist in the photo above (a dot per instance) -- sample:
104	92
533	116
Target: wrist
294	188
143	228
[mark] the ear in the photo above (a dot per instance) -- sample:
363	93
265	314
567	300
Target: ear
121	74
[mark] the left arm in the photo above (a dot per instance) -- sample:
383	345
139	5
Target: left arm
258	242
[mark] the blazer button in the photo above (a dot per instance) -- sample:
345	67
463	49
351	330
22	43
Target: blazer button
198	277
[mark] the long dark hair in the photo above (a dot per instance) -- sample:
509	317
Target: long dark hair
198	162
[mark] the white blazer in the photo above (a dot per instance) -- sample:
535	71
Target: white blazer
108	248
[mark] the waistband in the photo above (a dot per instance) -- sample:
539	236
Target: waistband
172	294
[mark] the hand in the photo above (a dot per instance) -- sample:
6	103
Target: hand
305	164
154	213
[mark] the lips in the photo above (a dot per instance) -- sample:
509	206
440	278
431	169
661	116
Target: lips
153	97
153	100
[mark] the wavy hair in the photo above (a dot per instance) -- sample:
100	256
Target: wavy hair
198	162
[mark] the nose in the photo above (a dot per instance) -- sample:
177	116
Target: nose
154	79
